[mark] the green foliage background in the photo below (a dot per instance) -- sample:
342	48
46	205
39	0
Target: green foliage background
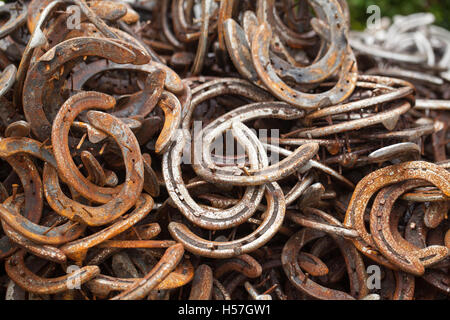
440	9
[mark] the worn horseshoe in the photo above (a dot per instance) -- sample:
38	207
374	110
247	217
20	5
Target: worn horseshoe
49	63
379	179
77	250
160	271
102	285
273	219
10	214
16	269
343	88
17	17
128	194
397	250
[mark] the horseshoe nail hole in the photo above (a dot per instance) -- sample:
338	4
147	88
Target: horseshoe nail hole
335	16
338	25
294	95
282	89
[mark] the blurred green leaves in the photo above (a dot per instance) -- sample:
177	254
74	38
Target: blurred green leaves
440	9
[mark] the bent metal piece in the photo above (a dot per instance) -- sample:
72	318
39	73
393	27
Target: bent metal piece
41	72
370	184
16	269
128	195
273	219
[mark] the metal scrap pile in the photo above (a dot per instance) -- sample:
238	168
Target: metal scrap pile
115	183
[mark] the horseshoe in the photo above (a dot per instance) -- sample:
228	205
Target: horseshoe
355	265
102	285
272	173
43	251
209	219
332	60
273	219
244	264
171	106
51	62
7	78
239	50
183	31
405	89
172	82
266	12
296	276
393	113
129	193
378	179
142	103
17	17
202	284
260	55
400	252
16	269
10	214
37	40
67	169
32	185
77	250
179	194
160	271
